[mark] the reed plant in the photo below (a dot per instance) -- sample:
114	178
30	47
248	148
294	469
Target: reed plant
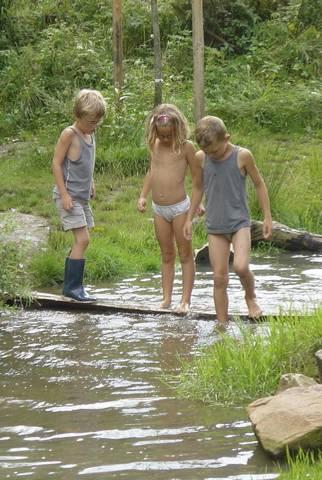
247	363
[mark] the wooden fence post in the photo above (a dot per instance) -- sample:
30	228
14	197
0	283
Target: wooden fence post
157	54
198	58
117	45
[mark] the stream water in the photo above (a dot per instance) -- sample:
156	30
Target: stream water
82	394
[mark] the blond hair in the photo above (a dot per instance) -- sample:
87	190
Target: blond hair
89	102
210	129
165	115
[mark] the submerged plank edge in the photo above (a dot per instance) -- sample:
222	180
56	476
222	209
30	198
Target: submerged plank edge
44	300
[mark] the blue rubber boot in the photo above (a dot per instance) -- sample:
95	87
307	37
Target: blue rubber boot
73	280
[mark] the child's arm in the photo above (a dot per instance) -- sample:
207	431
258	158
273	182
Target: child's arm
248	163
61	149
196	167
141	205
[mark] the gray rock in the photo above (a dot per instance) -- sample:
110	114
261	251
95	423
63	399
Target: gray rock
290	380
16	227
318	357
292	418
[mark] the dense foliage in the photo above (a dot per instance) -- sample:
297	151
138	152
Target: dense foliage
263	61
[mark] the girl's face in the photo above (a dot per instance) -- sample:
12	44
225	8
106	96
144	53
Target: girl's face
88	124
165	135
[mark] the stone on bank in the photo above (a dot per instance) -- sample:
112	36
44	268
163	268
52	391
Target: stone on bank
290	419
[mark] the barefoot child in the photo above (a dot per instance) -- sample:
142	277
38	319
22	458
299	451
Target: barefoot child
171	154
225	167
73	167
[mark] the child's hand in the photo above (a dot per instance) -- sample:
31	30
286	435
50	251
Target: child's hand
67	202
267	228
93	192
187	230
200	210
141	206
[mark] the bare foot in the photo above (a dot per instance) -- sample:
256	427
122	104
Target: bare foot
222	326
254	310
183	308
165	304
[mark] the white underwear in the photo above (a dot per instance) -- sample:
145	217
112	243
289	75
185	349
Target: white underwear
169	212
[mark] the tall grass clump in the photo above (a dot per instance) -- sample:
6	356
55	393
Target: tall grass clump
14	280
249	363
303	465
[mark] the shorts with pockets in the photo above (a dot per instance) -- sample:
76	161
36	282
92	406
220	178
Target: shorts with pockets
80	216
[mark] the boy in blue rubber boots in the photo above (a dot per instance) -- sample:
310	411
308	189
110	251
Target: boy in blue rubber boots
73	168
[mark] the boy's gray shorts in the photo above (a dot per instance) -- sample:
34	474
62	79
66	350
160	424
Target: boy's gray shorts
80	216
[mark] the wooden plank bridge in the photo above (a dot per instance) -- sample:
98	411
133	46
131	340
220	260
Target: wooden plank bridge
44	300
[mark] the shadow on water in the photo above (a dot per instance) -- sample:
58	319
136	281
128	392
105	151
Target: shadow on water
82	395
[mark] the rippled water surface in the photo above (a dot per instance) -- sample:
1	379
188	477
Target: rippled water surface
284	282
82	394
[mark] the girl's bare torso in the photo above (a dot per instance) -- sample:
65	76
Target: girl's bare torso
168	171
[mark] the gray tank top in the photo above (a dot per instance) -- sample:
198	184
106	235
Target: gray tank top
78	174
225	194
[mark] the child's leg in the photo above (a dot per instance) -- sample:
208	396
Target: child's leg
242	243
74	267
219	250
165	237
187	263
81	242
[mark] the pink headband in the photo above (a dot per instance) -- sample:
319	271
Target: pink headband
163	118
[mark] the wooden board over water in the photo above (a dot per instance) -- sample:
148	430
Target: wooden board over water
59	302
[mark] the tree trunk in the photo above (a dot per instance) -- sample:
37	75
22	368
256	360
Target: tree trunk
198	58
157	54
117	45
282	237
287	238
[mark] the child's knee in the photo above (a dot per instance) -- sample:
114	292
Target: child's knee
186	256
241	269
221	280
169	257
83	241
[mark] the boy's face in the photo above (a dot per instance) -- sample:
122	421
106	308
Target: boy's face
217	148
89	123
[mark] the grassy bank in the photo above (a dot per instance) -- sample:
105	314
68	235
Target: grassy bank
248	363
122	241
304	465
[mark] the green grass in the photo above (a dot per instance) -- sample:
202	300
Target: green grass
14	261
123	240
248	364
305	465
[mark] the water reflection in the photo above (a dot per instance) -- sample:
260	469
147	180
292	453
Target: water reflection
82	394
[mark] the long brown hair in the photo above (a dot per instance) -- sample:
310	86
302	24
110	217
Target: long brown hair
165	115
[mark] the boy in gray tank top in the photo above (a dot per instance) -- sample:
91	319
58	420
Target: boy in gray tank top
73	168
222	178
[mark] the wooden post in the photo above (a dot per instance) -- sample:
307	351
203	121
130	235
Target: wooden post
117	45
157	54
198	58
